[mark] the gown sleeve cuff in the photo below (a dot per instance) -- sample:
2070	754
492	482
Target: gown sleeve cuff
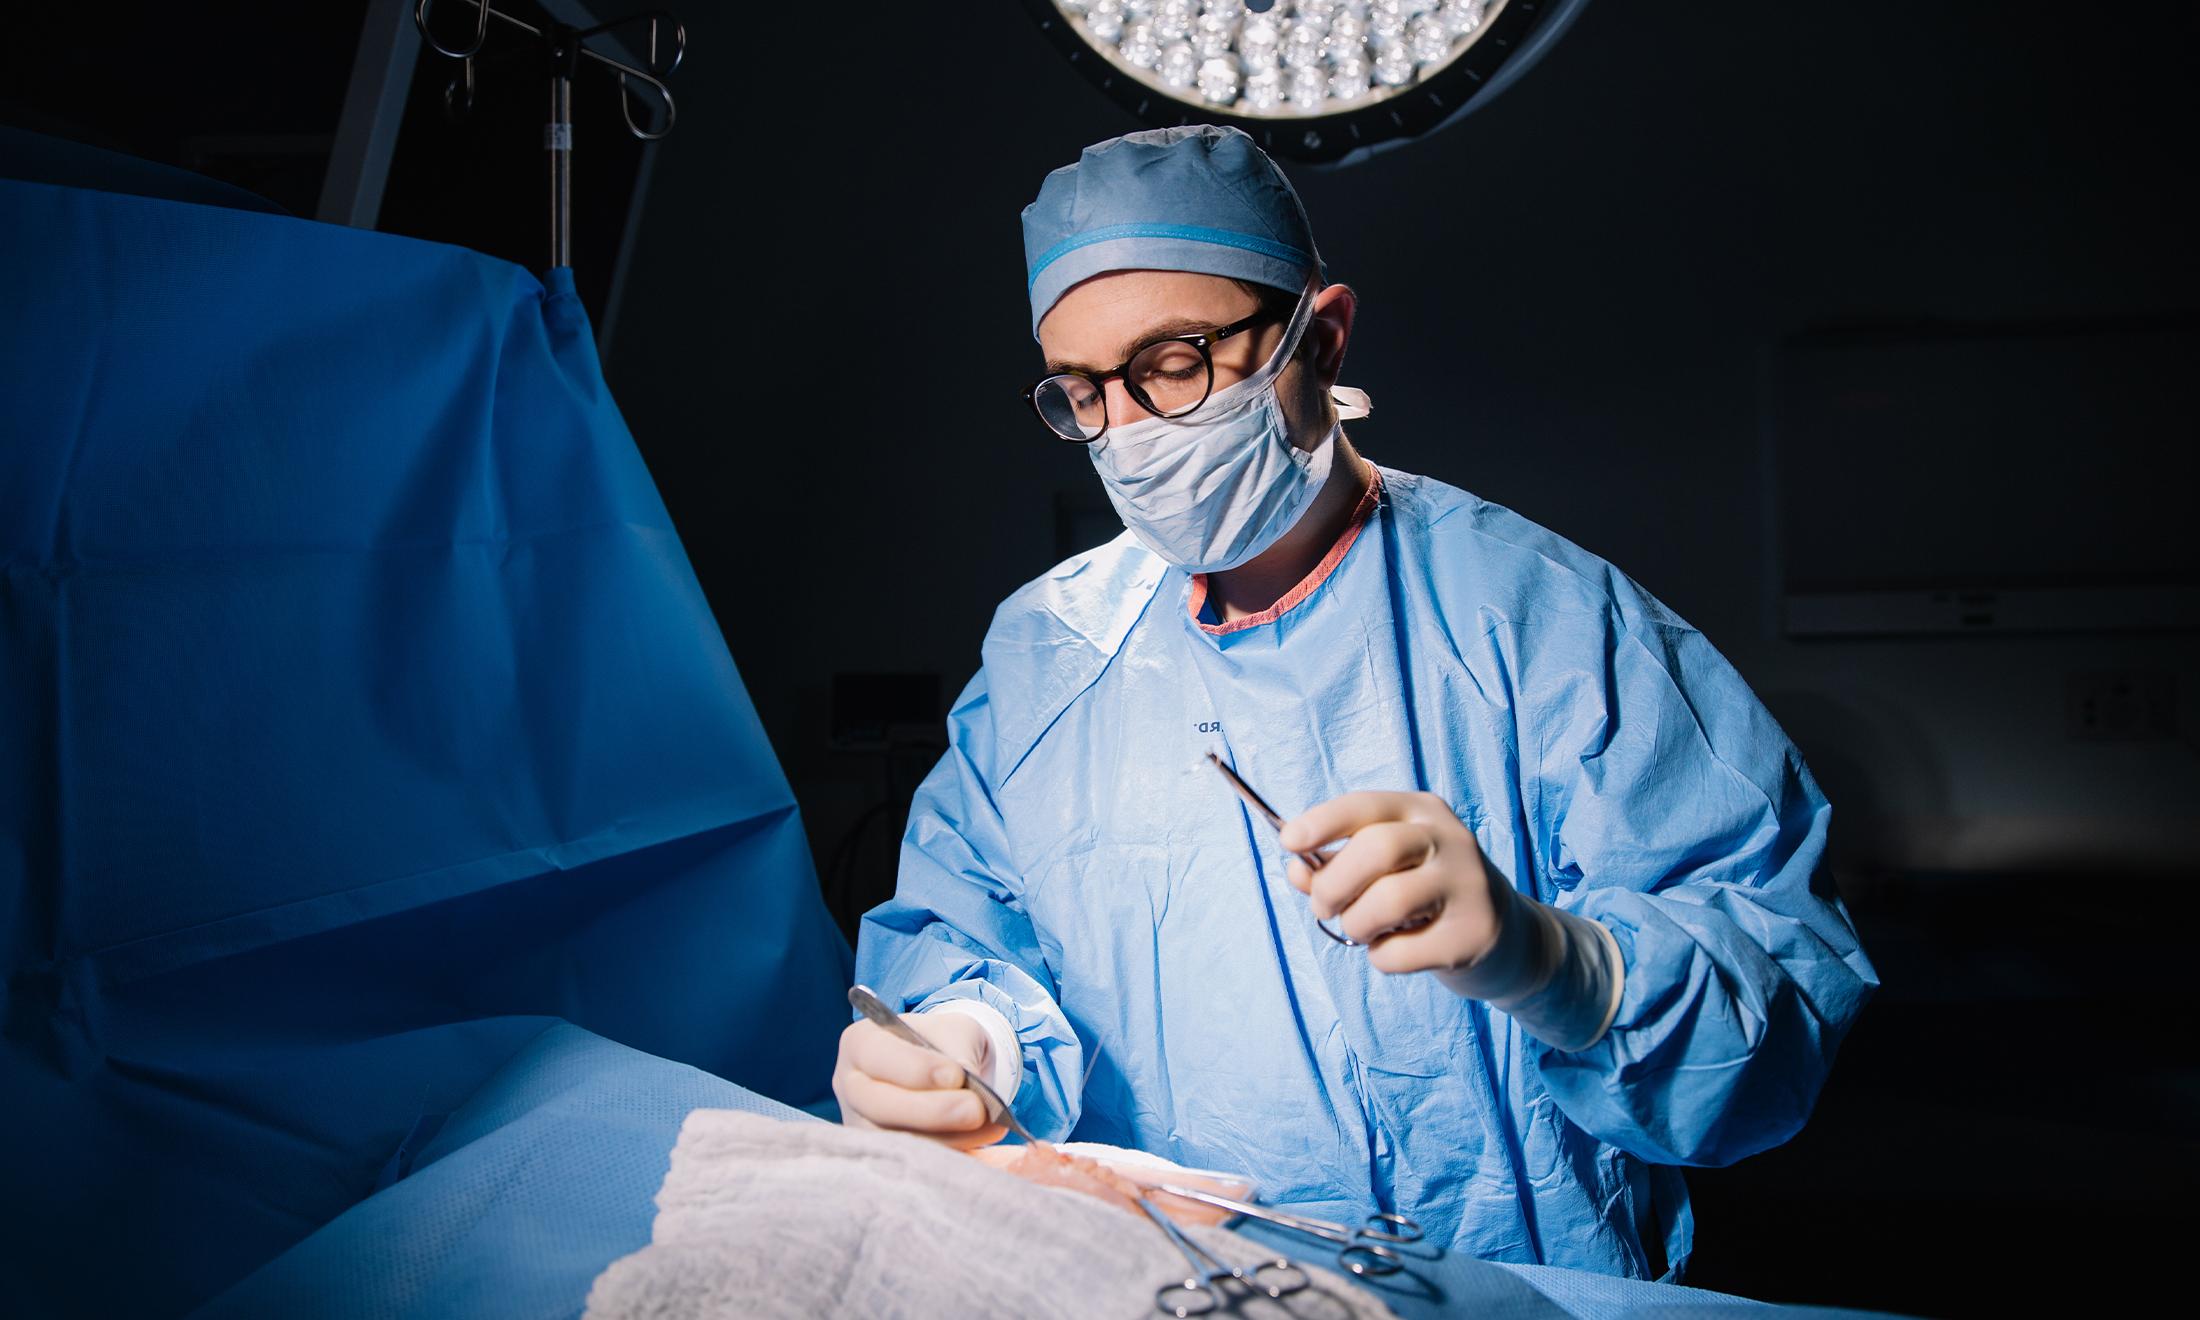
1004	1068
1613	972
1558	975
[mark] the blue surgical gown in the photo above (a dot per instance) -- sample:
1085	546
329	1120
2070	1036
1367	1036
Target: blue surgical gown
1075	864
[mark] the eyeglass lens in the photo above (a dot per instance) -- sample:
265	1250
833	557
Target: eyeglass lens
1167	379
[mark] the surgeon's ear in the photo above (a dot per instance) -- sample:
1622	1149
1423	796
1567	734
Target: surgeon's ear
1331	330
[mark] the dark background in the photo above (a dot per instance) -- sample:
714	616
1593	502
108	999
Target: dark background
1588	301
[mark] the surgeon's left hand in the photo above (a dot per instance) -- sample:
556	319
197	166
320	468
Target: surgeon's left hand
1414	887
1410	860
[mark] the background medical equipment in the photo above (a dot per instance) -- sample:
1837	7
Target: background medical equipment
564	47
1321	82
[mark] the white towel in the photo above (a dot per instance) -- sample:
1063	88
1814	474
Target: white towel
763	1217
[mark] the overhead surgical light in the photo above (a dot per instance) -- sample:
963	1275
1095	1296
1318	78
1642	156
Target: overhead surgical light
1326	81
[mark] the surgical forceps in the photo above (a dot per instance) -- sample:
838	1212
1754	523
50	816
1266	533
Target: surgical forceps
1201	1291
1261	808
1313	860
1364	1251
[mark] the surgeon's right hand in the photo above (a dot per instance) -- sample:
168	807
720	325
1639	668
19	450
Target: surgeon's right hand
883	1082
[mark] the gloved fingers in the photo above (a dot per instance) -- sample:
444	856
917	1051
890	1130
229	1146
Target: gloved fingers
989	1135
1375	851
1445	942
1298	873
872	1050
1342	816
1402	898
889	1106
956	1035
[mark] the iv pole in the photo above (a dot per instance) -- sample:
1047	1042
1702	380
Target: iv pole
565	47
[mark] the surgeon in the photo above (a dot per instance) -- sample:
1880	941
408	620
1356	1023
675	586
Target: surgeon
1577	862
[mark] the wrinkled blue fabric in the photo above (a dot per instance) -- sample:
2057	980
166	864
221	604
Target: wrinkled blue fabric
1073	863
359	716
539	1181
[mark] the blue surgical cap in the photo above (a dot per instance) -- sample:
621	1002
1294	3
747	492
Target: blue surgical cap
1196	198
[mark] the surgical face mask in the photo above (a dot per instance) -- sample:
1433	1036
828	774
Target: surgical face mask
1212	489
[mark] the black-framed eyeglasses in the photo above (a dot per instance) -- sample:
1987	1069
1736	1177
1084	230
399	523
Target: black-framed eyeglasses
1168	377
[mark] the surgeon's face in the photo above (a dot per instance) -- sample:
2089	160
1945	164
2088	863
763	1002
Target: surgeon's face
1100	323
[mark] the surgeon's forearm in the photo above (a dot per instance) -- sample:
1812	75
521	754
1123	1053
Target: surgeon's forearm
1558	975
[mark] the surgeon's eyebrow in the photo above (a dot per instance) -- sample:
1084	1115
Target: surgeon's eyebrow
1173	328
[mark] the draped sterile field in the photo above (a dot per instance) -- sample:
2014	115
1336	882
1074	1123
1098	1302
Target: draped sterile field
360	718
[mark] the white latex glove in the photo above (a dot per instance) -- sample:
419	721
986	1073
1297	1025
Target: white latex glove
1414	887
883	1082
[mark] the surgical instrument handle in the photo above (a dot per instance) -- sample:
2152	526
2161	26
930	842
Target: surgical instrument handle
1373	1256
1277	1277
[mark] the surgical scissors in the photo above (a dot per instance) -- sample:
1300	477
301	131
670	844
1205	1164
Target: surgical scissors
1201	1291
1363	1251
